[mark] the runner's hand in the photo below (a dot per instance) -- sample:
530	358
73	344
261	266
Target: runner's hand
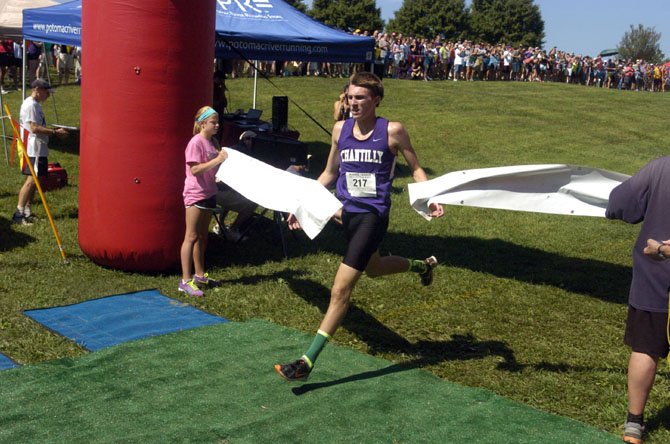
436	210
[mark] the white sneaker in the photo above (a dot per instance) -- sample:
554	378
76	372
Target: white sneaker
3	91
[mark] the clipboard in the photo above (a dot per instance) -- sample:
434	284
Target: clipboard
69	128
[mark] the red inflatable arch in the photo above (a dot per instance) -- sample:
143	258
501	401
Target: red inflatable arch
148	70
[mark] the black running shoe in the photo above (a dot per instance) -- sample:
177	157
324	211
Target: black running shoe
427	276
19	219
295	371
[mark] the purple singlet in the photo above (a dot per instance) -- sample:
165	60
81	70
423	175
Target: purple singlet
364	183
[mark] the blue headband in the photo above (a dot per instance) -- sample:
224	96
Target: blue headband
205	114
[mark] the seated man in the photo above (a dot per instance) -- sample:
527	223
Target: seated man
229	199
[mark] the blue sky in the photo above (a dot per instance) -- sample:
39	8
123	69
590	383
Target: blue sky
587	26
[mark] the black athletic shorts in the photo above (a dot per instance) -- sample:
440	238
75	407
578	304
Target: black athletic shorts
364	232
206	204
42	169
647	332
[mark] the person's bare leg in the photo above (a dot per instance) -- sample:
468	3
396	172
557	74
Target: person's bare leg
190	240
340	296
641	375
385	265
27	192
204	217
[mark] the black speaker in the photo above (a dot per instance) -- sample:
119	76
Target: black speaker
279	113
280	152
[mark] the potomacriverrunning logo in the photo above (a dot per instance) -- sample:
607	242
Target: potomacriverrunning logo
248	8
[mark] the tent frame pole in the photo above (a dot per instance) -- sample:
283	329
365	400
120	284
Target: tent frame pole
24	64
255	82
53	97
4	131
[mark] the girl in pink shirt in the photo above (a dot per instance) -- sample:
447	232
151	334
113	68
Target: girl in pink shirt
203	158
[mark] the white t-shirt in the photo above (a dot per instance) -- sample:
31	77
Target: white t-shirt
507	58
31	111
18	51
458	56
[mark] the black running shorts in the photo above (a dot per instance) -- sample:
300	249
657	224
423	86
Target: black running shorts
365	232
646	332
206	204
42	169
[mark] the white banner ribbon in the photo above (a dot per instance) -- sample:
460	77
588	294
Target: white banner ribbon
554	189
311	203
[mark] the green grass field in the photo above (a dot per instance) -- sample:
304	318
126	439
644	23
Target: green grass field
530	306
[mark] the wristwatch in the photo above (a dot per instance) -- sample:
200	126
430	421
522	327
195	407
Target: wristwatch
659	253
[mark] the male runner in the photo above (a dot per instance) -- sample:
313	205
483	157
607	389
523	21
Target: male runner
361	161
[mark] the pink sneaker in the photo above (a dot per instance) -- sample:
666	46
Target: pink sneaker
190	288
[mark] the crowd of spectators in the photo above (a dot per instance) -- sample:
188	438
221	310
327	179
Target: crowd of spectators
405	57
65	59
424	59
400	57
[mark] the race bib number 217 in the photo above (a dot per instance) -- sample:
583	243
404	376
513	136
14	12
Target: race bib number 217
361	184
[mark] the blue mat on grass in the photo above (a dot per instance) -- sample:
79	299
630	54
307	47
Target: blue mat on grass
6	363
108	321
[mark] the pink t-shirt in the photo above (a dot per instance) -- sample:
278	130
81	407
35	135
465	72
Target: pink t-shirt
202	186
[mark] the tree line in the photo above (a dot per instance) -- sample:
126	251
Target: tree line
515	22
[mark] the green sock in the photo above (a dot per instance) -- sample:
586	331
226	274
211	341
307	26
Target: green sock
417	266
317	345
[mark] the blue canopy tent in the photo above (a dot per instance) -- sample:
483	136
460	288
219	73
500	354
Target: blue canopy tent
274	30
54	24
267	30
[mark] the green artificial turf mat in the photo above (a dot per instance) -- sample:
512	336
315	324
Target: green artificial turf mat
217	384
